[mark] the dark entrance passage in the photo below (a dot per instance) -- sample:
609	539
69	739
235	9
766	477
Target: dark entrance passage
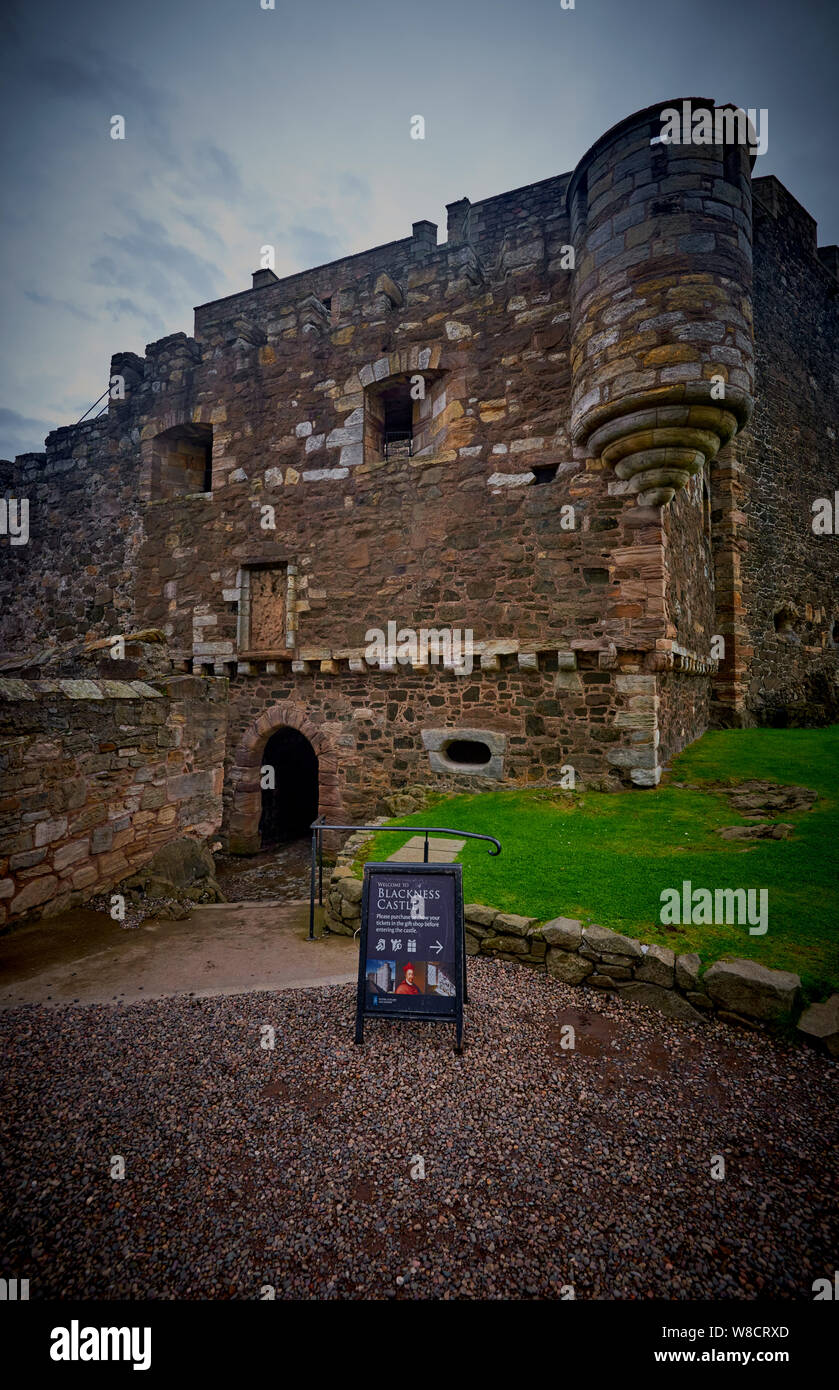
290	801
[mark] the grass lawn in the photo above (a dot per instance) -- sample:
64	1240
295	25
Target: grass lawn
606	857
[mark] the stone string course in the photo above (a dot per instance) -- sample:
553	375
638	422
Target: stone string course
492	654
735	991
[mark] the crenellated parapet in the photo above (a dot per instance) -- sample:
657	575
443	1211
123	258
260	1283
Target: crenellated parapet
662	350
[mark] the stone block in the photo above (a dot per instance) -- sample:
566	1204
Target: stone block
601	939
820	1024
657	967
25	861
85	876
509	945
615	972
352	889
646	777
687	971
509	924
69	854
752	990
102	839
113	865
91	816
481	916
33	894
664	1001
46	831
564	932
181	788
570	968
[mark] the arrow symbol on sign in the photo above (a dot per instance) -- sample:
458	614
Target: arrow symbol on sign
438	948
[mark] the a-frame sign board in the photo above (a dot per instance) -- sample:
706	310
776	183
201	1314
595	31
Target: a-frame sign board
412	961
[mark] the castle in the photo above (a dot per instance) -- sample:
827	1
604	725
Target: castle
590	428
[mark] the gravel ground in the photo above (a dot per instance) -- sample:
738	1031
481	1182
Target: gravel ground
292	1168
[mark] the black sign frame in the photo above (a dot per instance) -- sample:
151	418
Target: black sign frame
389	869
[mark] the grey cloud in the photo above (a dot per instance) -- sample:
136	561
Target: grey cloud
145	258
21	435
105	271
217	168
119	86
311	247
202	225
49	301
352	186
126	308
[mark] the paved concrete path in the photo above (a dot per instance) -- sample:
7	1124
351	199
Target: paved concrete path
229	948
440	851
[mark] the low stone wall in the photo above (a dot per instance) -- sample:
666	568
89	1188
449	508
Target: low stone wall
735	991
95	776
740	991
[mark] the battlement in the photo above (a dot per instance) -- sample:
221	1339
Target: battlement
511	232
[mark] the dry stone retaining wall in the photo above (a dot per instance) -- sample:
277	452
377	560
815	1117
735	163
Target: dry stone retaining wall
737	991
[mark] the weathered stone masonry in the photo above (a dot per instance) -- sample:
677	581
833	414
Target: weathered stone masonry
98	774
673	382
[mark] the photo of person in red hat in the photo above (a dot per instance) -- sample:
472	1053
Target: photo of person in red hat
407	985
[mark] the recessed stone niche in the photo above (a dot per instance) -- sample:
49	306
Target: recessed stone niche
784	621
467	752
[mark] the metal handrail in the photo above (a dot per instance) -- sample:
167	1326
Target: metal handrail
93	407
318	826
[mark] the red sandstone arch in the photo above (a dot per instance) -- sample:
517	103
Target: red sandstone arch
243	834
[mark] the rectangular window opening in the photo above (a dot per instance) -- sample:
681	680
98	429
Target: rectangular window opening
543	472
398	422
390	419
183	461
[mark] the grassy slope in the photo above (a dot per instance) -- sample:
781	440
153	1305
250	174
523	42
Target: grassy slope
607	858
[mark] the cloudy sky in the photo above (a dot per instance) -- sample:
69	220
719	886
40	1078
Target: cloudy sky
291	126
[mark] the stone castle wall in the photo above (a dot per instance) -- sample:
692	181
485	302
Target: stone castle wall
75	576
538	712
579	497
788	458
97	775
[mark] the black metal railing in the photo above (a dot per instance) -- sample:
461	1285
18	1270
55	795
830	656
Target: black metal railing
318	826
103	411
398	444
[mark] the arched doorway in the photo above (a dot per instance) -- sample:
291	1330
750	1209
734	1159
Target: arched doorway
245	806
289	787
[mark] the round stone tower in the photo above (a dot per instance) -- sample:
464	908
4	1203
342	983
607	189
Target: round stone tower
662	351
